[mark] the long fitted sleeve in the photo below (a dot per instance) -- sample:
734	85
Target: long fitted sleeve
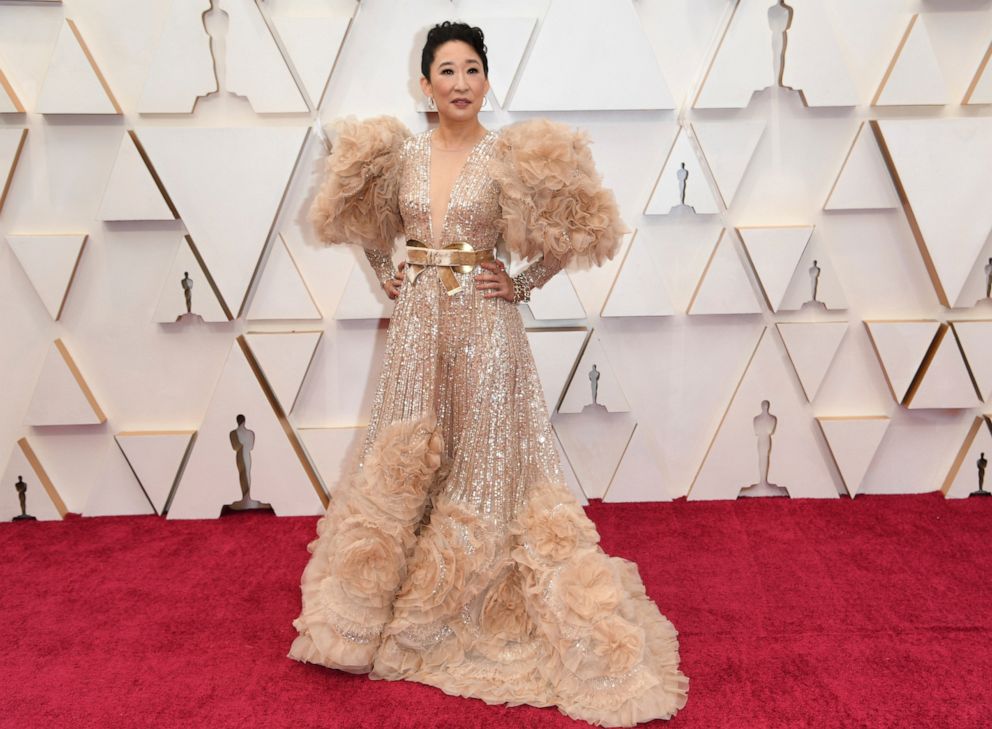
534	277
382	264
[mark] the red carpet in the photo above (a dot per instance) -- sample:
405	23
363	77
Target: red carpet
864	613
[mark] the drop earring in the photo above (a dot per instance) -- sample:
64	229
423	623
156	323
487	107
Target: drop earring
485	102
431	104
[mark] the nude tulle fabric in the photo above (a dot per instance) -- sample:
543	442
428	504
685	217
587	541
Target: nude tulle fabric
453	554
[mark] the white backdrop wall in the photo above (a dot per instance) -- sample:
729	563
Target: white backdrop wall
241	168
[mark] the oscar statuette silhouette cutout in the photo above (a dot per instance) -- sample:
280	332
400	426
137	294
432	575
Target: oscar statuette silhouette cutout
242	441
22	496
764	429
982	463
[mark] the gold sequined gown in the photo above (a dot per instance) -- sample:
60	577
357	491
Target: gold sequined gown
454	555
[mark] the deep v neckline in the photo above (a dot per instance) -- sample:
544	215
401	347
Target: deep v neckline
469	158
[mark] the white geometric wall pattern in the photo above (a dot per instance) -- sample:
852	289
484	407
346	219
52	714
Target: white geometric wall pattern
284	358
555	353
815	62
980	88
256	68
182	67
901	347
571	480
724	287
157	458
10	103
571	36
914	76
941	168
728	147
774	254
815	283
641	474
332	451
311	43
42	500
785	438
50	263
363	296
863	182
556	299
682	172
117	491
227	184
74	84
281	292
278	475
969	470
132	193
680	248
745	60
11	143
639	289
186	275
609	394
943	380
506	42
853	442
594	442
812	347
62	396
975	339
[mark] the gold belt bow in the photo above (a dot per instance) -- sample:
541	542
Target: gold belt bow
459	257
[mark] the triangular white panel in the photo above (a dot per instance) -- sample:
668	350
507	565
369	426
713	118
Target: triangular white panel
62	396
814	59
815	284
312	43
970	468
131	193
945	381
744	61
682	167
117	491
255	66
853	443
227	184
506	41
556	299
900	347
980	88
680	248
282	293
182	68
641	475
812	347
10	103
41	499
284	358
11	143
211	478
594	442
187	275
555	353
914	76
571	480
155	456
775	254
795	460
608	390
728	147
571	37
363	297
943	168
724	287
863	182
637	290
73	84
50	263
332	450
975	338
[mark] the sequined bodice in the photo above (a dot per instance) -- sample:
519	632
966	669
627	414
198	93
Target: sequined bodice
473	208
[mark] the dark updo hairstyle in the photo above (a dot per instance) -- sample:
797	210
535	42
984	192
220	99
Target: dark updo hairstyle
448	31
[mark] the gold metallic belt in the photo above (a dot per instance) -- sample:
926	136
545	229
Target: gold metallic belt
459	257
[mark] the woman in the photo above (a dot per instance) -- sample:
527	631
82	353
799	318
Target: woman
454	554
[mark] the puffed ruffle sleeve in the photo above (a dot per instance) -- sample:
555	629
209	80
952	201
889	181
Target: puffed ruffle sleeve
358	199
552	198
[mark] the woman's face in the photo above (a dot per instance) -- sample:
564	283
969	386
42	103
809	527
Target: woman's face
458	82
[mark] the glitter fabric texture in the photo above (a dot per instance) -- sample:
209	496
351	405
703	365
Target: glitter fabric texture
453	554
